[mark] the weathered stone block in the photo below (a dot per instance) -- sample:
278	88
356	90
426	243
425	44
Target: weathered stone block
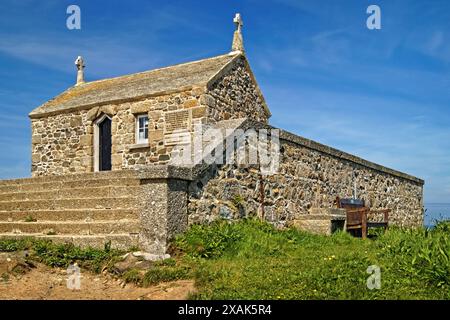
109	110
208	100
86	140
198	112
156	135
35	157
87	161
140	108
117	159
190	103
75	121
92	114
36	139
155	115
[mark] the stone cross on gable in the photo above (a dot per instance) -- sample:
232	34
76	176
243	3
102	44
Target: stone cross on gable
238	41
80	67
238	21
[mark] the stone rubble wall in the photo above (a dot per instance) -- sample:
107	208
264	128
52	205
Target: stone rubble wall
310	177
236	95
64	143
61	144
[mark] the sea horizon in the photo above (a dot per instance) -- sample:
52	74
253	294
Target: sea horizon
436	211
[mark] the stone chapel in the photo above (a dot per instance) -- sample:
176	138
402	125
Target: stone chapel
102	172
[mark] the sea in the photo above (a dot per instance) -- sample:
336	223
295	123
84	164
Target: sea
436	212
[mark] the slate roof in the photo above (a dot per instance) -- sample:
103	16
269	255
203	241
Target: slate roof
148	83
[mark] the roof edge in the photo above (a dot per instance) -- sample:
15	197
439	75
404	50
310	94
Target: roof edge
37	115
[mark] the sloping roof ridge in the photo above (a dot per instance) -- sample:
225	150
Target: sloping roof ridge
208	65
153	70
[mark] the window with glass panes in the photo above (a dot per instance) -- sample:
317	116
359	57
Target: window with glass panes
142	129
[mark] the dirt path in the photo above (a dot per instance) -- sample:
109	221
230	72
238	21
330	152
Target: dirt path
44	283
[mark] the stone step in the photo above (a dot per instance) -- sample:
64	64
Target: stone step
64	185
71	228
118	241
71	177
77	193
62	204
84	215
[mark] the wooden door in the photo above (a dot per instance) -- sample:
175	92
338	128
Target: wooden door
105	145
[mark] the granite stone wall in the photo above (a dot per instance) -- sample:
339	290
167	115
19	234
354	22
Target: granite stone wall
310	177
64	143
61	144
235	95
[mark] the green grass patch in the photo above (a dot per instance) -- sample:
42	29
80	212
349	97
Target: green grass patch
133	276
250	259
159	274
62	255
30	219
253	260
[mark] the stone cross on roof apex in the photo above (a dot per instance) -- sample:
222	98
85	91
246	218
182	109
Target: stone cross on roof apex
238	21
238	41
80	67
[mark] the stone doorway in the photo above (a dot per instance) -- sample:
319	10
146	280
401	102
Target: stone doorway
102	145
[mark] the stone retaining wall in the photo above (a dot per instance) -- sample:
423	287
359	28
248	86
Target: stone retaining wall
128	208
310	176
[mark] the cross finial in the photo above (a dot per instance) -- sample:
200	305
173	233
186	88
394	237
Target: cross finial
238	21
238	41
80	67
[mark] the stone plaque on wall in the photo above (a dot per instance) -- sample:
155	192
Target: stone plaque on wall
178	120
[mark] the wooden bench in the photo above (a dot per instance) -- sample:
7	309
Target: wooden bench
358	216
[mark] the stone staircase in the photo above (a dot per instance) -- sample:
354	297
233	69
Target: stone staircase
84	209
321	220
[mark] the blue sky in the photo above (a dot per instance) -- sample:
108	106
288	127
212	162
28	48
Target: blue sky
383	94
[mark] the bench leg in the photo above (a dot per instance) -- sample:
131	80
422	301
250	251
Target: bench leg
364	225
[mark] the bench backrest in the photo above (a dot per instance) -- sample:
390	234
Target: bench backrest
357	216
349	203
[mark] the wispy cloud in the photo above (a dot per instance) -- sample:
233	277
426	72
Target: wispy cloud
124	46
109	57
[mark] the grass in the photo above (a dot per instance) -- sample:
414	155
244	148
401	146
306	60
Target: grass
4	277
163	271
133	276
62	255
30	219
252	260
95	260
165	274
